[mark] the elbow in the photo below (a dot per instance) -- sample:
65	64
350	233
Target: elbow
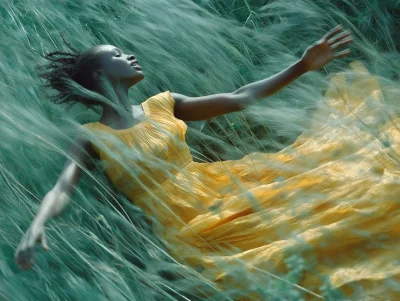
242	99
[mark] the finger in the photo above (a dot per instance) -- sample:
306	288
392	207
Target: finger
337	38
342	43
23	262
342	53
19	257
27	264
333	31
21	253
44	242
26	258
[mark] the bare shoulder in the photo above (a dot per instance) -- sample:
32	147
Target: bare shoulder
178	97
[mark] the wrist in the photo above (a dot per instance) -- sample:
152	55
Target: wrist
38	222
301	66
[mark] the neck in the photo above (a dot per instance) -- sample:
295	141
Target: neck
123	113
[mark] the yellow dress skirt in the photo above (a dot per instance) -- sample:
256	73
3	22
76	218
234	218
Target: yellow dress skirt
332	198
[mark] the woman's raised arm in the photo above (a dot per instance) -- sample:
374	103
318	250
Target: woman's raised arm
54	201
316	56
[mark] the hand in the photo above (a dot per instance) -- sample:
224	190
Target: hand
322	52
25	253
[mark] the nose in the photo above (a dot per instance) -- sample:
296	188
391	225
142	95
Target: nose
131	57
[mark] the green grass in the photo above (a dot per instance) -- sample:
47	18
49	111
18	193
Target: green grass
99	247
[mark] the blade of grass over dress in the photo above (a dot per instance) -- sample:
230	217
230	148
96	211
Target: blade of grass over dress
327	206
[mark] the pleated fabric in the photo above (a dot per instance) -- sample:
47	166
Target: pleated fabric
332	197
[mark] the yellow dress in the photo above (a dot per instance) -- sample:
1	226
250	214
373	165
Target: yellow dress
332	196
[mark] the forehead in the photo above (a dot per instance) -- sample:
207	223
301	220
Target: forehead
100	54
104	49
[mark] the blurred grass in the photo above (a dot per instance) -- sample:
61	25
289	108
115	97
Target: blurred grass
103	246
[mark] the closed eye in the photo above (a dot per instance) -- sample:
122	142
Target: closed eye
118	53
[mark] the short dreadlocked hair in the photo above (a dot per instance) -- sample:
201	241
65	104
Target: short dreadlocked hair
76	66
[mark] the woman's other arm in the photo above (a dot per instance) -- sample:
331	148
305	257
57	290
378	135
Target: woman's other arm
54	201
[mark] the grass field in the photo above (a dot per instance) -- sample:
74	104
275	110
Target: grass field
100	250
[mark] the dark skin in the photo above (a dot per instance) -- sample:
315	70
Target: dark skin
117	70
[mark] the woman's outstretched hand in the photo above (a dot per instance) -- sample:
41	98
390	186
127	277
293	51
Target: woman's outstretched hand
25	253
323	51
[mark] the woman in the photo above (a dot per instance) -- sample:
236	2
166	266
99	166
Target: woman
156	128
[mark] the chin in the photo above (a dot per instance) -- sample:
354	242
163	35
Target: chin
136	79
139	76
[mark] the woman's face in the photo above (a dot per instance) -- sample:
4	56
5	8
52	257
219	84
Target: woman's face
116	65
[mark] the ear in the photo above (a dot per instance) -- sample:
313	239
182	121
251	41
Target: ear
97	74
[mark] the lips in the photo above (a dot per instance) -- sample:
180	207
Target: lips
135	63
